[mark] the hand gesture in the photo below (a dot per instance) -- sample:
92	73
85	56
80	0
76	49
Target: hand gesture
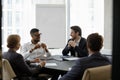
72	43
42	63
37	46
37	60
43	45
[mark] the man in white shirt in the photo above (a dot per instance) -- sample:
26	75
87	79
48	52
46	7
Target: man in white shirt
34	48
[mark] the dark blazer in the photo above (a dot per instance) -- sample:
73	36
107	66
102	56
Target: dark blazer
18	64
81	49
78	69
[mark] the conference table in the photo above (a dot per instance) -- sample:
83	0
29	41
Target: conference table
57	65
59	62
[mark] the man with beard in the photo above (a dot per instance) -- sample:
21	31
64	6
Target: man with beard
34	48
76	45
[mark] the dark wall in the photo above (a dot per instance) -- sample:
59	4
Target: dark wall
0	42
0	24
116	40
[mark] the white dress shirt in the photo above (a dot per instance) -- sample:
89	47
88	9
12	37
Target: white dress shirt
40	52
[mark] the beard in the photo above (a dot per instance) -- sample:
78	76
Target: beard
36	41
73	38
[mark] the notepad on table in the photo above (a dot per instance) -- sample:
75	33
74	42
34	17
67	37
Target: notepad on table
72	58
51	64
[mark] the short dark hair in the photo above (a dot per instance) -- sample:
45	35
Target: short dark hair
95	41
13	40
32	31
77	29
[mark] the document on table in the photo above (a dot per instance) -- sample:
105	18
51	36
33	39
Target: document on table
72	58
50	64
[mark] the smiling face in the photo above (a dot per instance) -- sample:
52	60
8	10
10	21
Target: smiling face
74	34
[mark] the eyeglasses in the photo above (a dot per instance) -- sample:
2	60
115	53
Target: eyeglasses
37	35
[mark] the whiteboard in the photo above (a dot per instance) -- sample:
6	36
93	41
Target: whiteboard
51	20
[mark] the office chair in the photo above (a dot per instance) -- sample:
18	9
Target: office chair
98	73
9	74
7	71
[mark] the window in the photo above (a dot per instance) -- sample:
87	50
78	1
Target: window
19	16
9	3
9	18
93	16
88	14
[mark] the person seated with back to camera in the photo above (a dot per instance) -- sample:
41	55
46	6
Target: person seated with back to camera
94	59
34	48
20	66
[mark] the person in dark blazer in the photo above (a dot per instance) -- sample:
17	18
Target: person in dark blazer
77	44
94	59
20	67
